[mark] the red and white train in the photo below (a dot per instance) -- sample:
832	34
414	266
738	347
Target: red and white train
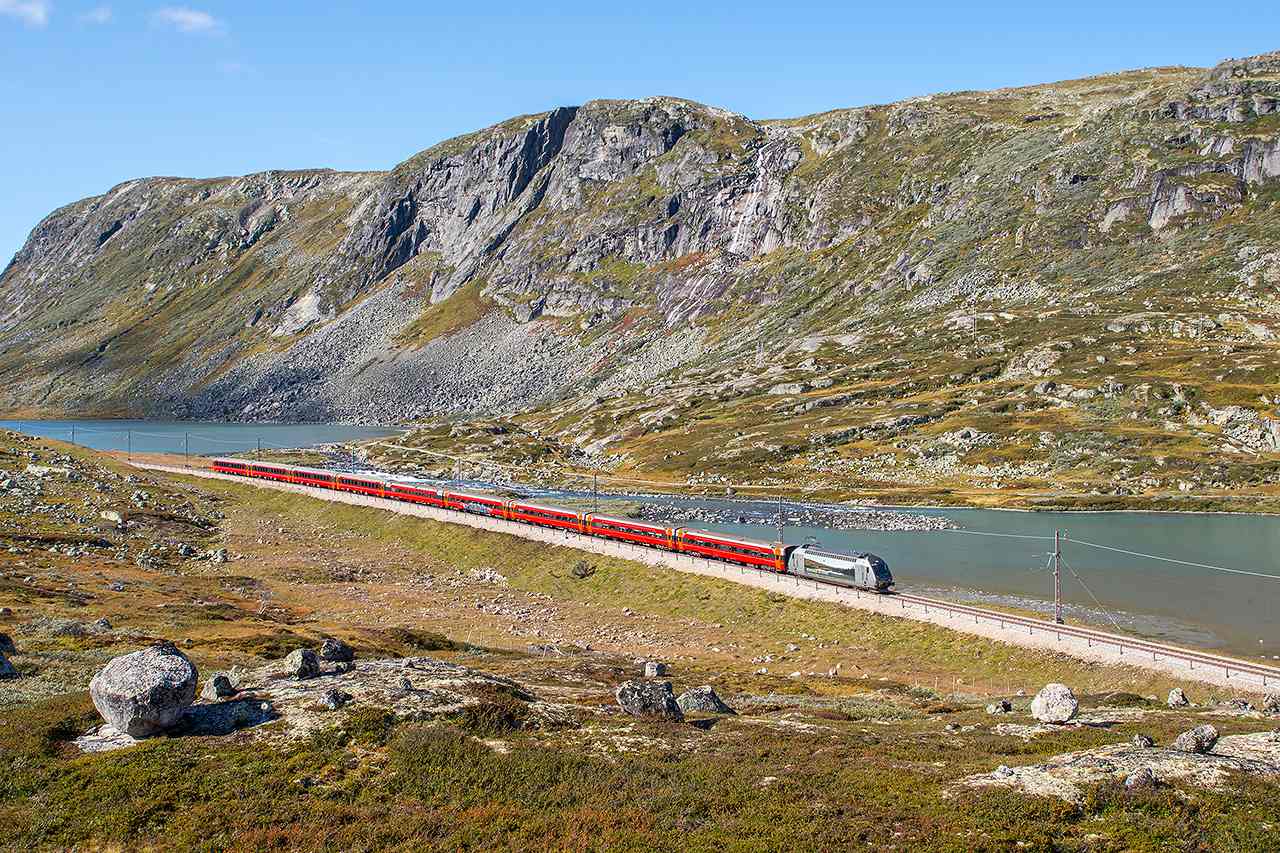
861	570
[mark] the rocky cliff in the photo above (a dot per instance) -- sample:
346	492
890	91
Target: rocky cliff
1114	236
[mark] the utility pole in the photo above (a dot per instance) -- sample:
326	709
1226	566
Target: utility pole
1057	577
595	491
781	522
130	439
258	455
186	449
73	435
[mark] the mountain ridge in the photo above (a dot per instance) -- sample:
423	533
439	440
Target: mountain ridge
567	267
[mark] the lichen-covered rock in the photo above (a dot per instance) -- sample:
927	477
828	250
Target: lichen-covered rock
702	700
1004	706
649	699
1143	741
1177	698
300	663
145	692
334	699
218	687
1271	703
336	651
1140	778
654	669
1200	740
1055	703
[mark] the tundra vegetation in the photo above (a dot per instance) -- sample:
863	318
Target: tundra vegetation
480	709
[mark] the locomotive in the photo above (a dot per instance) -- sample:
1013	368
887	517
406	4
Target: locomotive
860	570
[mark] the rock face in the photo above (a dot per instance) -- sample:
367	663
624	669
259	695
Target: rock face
1201	739
336	651
145	692
649	699
1177	698
1055	703
702	700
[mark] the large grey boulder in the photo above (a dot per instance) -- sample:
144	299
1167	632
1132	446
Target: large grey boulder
145	692
702	700
1199	740
1055	703
649	699
1177	698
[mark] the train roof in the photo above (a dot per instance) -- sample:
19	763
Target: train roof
525	505
724	537
627	521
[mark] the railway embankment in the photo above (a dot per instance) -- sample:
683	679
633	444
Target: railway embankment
1083	643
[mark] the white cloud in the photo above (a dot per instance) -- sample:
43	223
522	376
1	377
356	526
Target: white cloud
97	15
34	13
186	20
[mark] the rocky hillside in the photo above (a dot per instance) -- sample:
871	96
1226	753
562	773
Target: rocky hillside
999	286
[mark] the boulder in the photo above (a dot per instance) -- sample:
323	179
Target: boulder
654	669
6	669
6	645
702	700
1141	778
649	699
145	692
336	651
335	699
1055	703
301	663
1178	699
1004	706
218	687
1143	742
1199	740
1271	703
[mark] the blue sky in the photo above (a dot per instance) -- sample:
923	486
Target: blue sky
96	93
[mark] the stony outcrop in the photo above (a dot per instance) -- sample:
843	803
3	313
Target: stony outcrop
702	700
145	692
649	699
1201	739
336	651
300	663
1177	698
1055	703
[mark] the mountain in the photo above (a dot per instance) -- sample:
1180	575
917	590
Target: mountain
1005	286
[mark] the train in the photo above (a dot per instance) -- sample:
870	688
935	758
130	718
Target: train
857	570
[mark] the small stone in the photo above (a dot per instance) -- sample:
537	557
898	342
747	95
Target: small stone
702	700
1004	706
100	626
218	687
336	651
334	699
654	669
1055	703
1239	704
1177	698
1141	778
302	663
1199	740
116	586
649	699
406	684
1143	742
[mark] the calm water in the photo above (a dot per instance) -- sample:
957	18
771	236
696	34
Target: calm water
203	438
1157	598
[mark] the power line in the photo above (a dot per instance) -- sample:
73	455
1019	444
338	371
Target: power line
1175	560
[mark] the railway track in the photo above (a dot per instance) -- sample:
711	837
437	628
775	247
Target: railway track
1269	674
